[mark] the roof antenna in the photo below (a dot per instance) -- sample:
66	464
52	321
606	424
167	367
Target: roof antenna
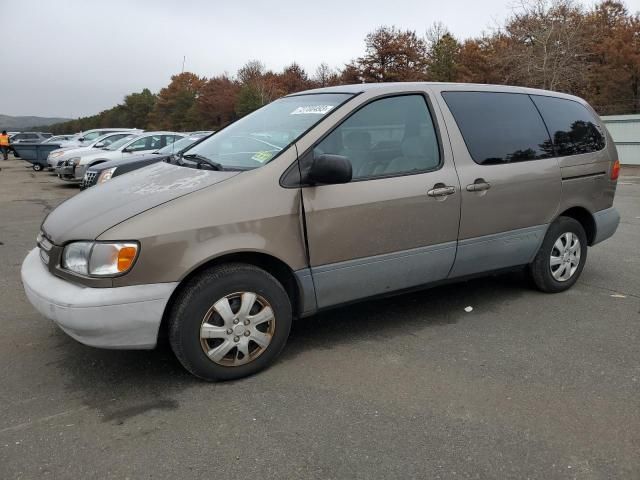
184	58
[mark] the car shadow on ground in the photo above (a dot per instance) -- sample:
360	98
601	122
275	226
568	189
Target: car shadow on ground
396	315
121	384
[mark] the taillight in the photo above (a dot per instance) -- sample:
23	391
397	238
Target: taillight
615	170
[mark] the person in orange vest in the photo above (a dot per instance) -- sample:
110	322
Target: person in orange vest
4	144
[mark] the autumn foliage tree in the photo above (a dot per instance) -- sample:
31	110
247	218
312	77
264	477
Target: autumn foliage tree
613	38
215	105
552	44
393	55
173	107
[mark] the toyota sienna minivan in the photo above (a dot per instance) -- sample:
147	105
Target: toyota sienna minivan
322	198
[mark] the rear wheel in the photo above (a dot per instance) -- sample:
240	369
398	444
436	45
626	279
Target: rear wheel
561	258
37	167
229	322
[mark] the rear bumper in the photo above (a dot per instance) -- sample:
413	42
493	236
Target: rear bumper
121	317
606	224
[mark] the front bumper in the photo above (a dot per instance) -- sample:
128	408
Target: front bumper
53	162
119	317
606	224
66	172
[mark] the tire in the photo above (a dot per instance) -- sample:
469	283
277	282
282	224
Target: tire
195	313
37	167
566	268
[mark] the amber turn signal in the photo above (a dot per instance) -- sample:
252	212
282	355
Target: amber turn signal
126	256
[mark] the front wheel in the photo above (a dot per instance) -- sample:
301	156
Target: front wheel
561	258
229	322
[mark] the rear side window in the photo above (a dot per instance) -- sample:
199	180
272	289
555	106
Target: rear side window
499	127
390	136
573	128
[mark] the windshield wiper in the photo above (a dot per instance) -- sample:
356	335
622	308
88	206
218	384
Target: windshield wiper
201	160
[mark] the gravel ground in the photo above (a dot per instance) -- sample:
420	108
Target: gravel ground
527	385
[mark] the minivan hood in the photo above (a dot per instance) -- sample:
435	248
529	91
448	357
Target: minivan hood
135	159
95	210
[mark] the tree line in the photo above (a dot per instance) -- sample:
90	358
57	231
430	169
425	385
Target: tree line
551	44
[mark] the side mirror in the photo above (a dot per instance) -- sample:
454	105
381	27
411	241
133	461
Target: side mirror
126	150
330	169
81	139
99	145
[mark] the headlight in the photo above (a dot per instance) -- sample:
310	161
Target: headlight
99	259
73	161
106	174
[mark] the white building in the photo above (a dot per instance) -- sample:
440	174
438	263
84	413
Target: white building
625	130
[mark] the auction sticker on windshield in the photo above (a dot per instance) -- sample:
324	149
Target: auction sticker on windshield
262	156
312	109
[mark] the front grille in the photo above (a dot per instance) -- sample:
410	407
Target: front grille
60	163
89	179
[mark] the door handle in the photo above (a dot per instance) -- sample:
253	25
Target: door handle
441	190
479	185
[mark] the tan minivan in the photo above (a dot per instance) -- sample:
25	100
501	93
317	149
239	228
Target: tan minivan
322	198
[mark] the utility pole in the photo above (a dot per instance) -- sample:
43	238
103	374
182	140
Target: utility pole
184	58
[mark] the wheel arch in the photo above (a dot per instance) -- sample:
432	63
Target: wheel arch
585	218
96	162
271	264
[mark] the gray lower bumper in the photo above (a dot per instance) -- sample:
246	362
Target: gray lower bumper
119	317
606	224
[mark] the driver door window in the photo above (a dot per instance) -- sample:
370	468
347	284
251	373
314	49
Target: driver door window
145	143
388	137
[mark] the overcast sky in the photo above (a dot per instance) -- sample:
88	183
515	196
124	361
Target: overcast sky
71	58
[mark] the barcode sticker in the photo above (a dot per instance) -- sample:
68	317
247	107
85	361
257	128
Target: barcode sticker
312	109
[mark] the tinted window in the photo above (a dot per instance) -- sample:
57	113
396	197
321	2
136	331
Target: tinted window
390	136
499	127
573	128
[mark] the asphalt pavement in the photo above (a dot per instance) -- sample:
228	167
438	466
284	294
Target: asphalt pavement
526	385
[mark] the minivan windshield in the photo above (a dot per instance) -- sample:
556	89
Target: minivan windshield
259	137
116	145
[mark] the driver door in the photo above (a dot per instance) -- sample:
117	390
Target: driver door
395	225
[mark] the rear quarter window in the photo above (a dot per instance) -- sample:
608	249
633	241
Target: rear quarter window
573	128
499	127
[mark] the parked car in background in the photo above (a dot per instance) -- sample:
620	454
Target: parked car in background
74	168
58	157
83	138
102	172
322	198
29	137
58	138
